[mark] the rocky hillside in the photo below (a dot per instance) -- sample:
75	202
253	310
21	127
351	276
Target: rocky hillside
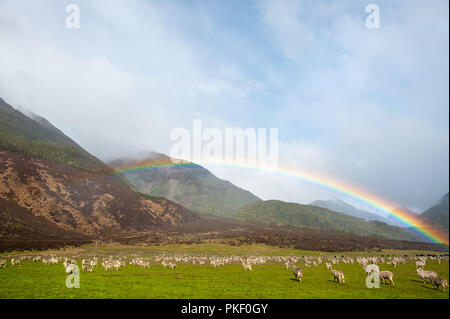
50	186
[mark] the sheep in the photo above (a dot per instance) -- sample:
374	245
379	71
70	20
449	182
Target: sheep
426	274
174	265
387	275
107	265
2	263
116	264
247	266
86	267
420	264
329	266
15	262
298	273
339	275
439	282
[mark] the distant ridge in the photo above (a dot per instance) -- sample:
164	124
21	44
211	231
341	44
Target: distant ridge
438	214
279	213
192	186
340	206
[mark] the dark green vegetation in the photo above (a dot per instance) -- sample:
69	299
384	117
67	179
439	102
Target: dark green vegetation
192	186
38	138
280	213
269	280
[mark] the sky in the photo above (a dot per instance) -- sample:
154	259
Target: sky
365	106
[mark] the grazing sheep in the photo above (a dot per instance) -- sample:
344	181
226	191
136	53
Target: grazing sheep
339	275
426	274
387	275
329	266
2	263
298	273
116	264
107	265
247	266
439	282
420	264
86	267
15	262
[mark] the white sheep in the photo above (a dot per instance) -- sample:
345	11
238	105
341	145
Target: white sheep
298	273
426	274
439	282
339	276
387	275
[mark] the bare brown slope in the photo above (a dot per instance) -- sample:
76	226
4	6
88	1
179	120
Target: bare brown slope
79	201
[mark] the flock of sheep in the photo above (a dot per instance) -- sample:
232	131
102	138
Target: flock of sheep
369	264
365	262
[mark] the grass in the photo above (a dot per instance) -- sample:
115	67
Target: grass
270	280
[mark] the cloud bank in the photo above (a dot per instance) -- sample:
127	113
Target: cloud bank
365	106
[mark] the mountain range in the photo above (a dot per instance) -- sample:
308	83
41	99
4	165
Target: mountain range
50	186
191	186
340	206
279	213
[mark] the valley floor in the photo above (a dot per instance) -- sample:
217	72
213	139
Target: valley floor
268	280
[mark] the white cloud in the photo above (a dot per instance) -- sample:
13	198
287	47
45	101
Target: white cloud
365	106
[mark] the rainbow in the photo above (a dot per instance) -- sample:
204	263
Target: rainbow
357	193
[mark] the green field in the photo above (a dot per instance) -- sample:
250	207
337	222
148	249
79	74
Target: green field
269	280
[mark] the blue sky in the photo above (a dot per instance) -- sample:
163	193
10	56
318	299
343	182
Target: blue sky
365	106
